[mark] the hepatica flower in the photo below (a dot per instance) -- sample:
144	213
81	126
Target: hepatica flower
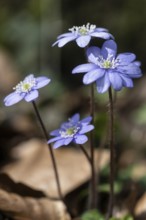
82	35
26	89
72	131
106	68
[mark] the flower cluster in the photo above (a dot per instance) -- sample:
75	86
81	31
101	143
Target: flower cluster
72	131
105	67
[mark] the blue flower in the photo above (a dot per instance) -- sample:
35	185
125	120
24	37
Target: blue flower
82	35
108	69
72	131
26	89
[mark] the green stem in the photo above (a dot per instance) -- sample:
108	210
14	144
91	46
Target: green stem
50	149
112	154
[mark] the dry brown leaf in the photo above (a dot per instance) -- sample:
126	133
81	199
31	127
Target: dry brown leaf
33	167
140	208
27	208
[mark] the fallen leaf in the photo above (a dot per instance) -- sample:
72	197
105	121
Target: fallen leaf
33	167
140	208
29	208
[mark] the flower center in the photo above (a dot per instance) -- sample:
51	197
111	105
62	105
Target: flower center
26	85
83	30
69	132
109	63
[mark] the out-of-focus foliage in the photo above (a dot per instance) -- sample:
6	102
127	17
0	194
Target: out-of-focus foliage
92	215
26	30
95	215
127	217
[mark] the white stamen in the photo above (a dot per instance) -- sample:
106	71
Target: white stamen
69	132
26	85
109	63
83	30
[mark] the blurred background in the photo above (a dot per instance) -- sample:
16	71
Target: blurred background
27	31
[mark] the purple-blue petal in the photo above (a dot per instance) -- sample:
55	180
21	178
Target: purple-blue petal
86	120
131	70
31	96
13	98
65	125
83	41
68	140
127	82
86	129
93	50
137	63
58	143
109	49
103	84
126	58
29	77
92	54
69	34
84	68
62	41
75	118
100	29
93	75
103	35
80	139
115	80
54	139
55	132
42	81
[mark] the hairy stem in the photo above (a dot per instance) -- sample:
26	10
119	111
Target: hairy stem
93	178
85	153
93	193
112	154
50	150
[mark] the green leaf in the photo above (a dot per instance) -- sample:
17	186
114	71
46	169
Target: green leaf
92	215
105	187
